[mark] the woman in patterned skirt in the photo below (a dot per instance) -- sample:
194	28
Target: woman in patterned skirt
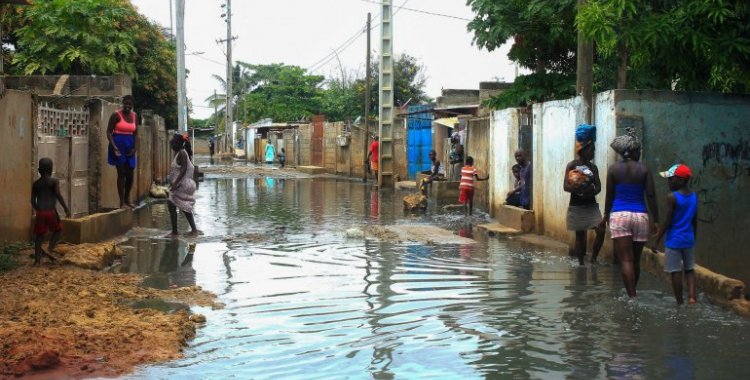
181	187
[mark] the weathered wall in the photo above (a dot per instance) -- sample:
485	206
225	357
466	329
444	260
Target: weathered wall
105	176
290	145
16	176
305	145
400	156
710	133
478	147
554	145
330	148
504	142
144	165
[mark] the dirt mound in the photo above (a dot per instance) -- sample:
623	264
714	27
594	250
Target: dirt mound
415	202
67	322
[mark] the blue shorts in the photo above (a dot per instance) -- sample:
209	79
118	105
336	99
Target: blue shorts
678	260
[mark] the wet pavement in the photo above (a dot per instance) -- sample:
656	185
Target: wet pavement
304	301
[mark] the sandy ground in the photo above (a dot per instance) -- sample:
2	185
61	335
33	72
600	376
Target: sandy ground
66	322
420	233
261	171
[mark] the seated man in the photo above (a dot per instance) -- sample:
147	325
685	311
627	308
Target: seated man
437	172
514	196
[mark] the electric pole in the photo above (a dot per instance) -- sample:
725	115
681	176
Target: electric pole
229	123
181	99
386	114
585	71
367	99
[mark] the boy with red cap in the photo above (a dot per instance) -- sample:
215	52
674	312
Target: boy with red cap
680	226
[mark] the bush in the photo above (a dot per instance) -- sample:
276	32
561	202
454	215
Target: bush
8	252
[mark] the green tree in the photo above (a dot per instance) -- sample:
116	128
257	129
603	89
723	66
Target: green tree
544	41
409	80
95	37
689	44
280	92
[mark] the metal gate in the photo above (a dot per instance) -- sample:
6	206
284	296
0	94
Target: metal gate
317	140
419	139
62	135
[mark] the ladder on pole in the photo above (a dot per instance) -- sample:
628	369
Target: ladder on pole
386	175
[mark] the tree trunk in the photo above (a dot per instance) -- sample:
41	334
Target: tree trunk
622	67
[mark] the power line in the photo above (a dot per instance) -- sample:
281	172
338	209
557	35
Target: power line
332	55
420	11
208	59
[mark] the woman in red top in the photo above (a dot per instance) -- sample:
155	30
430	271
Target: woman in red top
122	133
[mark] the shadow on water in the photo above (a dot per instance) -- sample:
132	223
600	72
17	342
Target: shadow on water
303	301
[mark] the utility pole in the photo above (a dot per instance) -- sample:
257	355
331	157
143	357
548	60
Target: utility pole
171	22
368	77
181	100
585	70
385	128
229	124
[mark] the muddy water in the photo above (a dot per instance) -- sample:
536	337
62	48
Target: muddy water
302	301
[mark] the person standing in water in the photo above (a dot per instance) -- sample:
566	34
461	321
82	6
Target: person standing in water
270	152
583	183
680	226
181	187
630	187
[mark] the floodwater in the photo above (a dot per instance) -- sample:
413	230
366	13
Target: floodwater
303	301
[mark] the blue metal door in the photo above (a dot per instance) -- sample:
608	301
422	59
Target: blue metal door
419	138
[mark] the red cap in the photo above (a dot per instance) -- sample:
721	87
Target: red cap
679	171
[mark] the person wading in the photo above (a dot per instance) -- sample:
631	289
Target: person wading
630	186
122	133
181	187
583	183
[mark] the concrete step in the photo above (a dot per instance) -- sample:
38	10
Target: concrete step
406	185
494	229
312	169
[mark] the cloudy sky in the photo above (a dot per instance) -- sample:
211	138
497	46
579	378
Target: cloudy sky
305	32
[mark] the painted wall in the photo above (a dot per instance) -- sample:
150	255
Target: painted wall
711	134
16	176
478	147
554	144
504	142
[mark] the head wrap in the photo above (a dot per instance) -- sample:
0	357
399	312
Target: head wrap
626	144
585	136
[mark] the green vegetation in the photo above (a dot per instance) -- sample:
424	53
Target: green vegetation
693	45
95	37
290	93
8	252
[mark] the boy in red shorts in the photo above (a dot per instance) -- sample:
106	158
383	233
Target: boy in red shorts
466	187
45	193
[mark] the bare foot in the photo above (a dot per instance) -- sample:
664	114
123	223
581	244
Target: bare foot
692	301
132	206
124	206
172	235
194	233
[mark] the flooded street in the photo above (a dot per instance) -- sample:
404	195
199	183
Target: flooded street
304	301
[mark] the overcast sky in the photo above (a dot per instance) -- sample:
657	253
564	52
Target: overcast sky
302	32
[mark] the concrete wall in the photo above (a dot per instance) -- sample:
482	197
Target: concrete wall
478	147
711	134
504	126
330	147
400	155
16	176
103	176
305	145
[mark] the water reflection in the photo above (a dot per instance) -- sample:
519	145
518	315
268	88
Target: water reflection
168	263
302	301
